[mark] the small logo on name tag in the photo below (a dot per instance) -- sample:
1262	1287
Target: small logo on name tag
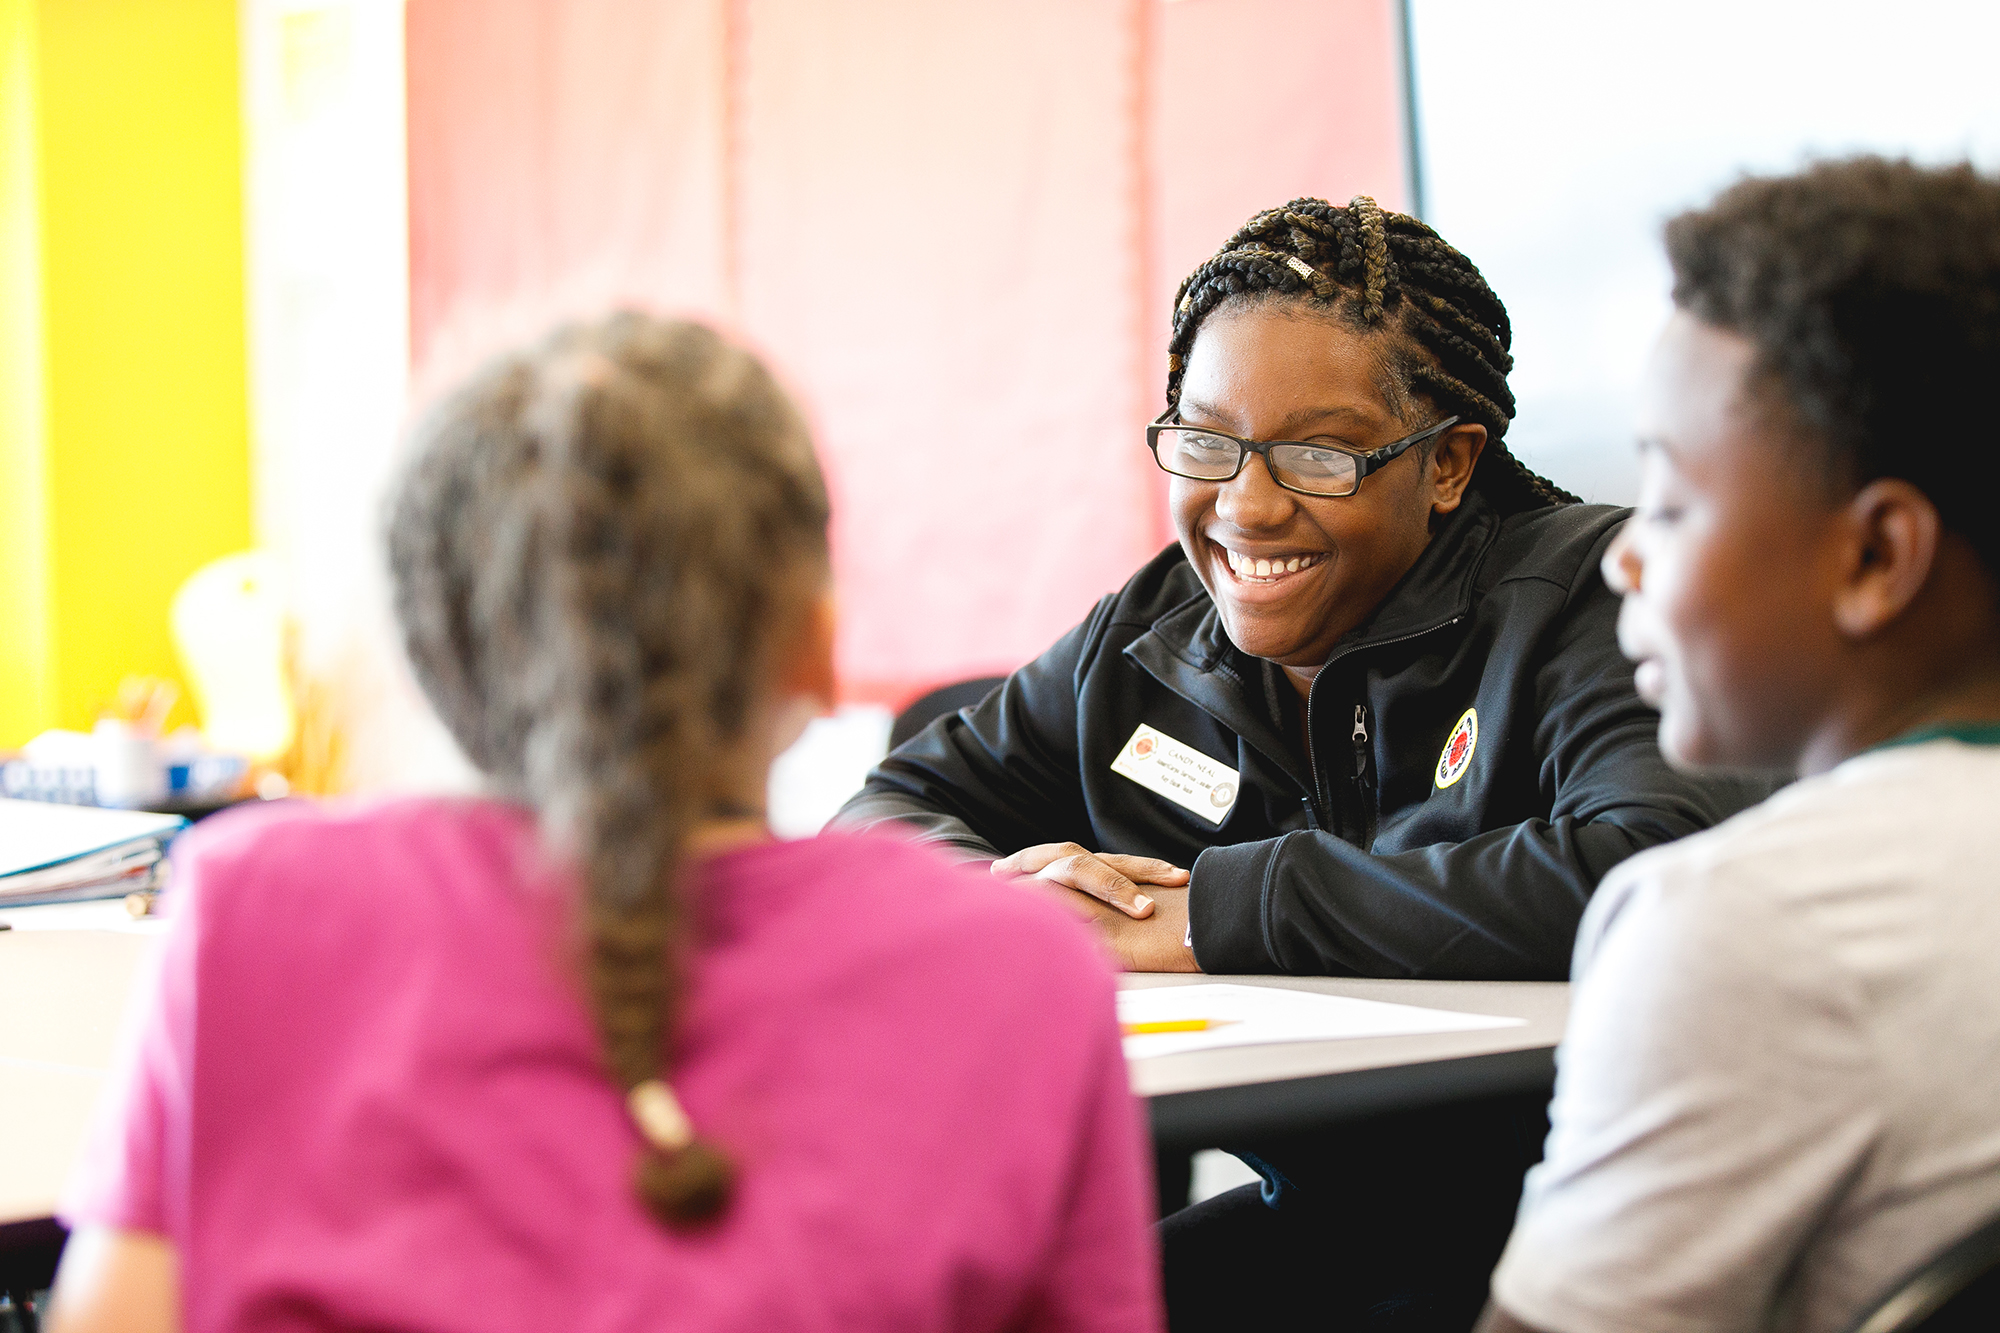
1181	773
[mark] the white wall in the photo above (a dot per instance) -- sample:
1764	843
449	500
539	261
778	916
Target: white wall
326	186
1559	134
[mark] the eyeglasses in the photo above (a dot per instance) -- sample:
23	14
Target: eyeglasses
1310	469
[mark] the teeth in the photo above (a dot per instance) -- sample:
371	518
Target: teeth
1255	568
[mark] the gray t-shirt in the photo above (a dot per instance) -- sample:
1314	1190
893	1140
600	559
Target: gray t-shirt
1780	1086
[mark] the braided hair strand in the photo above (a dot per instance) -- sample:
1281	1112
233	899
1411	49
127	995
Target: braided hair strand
590	552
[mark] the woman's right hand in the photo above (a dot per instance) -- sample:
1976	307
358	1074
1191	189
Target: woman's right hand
1107	876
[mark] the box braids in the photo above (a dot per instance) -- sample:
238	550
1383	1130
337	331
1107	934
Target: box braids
1386	272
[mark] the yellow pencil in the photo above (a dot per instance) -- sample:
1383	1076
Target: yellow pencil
1175	1025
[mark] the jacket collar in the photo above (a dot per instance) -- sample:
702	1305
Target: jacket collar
1188	651
1438	589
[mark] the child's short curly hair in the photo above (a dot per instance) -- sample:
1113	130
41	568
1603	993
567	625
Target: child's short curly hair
1870	288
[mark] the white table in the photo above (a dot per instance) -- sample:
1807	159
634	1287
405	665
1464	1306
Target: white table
66	975
1214	1098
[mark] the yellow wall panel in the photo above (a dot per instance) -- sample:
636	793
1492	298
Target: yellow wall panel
27	699
146	461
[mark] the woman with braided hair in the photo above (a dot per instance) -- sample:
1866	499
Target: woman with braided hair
1367	717
595	1051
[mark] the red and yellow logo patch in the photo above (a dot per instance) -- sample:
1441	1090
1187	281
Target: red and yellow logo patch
1458	747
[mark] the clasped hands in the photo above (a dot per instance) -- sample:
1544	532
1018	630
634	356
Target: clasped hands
1139	903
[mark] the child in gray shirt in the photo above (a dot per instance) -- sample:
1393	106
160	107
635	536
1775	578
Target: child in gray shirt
1779	1086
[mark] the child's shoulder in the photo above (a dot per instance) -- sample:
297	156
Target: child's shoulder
1893	800
1899	823
1561	544
911	887
281	850
887	895
279	829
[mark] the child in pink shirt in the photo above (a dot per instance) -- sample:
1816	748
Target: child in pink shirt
598	1054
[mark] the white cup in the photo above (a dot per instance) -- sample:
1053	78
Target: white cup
129	771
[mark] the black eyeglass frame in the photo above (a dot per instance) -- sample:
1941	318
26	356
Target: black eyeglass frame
1365	460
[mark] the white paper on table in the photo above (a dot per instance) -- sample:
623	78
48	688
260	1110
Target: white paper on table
1259	1015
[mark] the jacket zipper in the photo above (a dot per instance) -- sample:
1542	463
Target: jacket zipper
1364	784
1364	789
1311	802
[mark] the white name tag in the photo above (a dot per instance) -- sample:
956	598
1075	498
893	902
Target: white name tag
1182	774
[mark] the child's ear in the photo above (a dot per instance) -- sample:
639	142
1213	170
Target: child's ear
1891	542
807	669
1452	460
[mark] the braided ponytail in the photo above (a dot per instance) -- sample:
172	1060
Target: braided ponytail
1389	272
590	553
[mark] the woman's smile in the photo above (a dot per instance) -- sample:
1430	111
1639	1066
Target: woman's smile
1252	568
1247	574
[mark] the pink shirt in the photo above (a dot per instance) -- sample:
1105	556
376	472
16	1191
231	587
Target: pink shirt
366	1094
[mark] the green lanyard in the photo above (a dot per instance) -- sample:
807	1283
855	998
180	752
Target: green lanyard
1970	733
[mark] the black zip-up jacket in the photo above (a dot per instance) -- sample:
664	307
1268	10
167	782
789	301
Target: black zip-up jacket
1352	859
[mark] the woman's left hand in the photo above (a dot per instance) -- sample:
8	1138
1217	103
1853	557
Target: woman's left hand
1107	876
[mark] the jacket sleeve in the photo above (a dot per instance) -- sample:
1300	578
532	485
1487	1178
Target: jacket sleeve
1004	774
1504	904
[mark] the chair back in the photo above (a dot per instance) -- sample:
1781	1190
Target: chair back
1956	1291
928	708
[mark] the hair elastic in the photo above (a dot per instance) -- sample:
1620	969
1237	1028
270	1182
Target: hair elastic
658	1114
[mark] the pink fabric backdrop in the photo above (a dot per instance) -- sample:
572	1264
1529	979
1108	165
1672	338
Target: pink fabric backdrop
954	229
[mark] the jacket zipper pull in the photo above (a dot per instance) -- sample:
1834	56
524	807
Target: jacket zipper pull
1364	785
1312	817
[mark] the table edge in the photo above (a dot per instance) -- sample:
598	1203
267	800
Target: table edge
1190	1119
